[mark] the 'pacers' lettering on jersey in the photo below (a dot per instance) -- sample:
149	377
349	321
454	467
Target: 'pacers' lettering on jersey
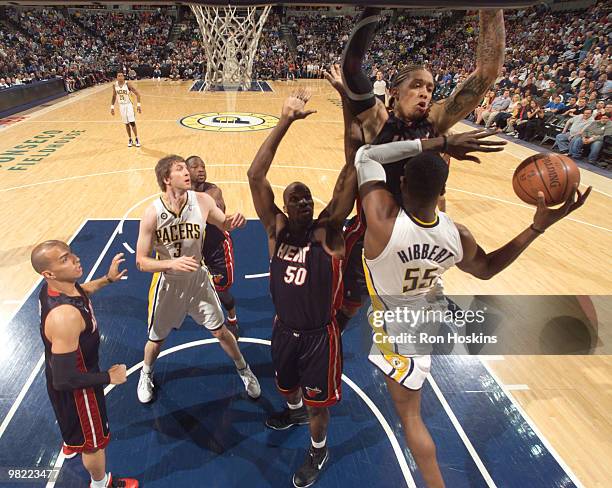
178	232
425	251
295	254
123	92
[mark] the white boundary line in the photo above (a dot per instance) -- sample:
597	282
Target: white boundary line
371	405
466	441
533	426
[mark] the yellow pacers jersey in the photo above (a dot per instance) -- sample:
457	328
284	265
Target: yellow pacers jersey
182	234
123	93
406	276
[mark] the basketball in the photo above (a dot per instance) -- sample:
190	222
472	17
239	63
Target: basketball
552	174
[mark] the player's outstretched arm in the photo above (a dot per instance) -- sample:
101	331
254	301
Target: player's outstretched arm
370	111
63	327
489	61
144	248
486	265
378	204
261	190
215	216
345	190
113	275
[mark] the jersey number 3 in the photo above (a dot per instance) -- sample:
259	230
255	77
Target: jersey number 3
295	275
177	246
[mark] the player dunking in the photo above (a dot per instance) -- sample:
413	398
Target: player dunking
306	287
174	226
122	89
218	247
71	337
406	250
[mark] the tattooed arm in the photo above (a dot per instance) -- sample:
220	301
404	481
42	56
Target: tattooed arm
490	59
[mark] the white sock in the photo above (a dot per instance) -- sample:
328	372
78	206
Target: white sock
319	445
147	369
240	363
296	406
100	484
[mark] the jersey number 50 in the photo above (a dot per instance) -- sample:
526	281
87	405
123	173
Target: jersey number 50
295	275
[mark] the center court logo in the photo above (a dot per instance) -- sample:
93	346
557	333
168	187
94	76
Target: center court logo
229	121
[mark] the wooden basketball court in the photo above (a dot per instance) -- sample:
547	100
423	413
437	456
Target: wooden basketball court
54	177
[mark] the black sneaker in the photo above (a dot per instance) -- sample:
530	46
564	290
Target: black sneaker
287	418
311	469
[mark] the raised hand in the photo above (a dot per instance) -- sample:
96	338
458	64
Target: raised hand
459	145
334	77
545	217
113	272
293	108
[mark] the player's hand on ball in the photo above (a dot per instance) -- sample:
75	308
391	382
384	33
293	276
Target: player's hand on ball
184	264
235	221
335	78
293	108
460	145
113	272
118	374
545	217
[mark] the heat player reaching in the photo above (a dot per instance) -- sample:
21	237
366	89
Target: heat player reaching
305	285
407	248
122	90
218	247
174	226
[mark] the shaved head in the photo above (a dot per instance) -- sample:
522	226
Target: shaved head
296	185
40	257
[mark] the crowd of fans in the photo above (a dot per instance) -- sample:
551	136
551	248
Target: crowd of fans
557	63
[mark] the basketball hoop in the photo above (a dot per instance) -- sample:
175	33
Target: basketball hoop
230	36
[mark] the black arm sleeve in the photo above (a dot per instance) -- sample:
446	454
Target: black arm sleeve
67	377
356	82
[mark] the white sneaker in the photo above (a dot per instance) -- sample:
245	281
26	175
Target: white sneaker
130	143
145	387
251	385
137	143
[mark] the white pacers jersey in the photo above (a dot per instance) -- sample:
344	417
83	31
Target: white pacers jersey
406	276
179	235
123	93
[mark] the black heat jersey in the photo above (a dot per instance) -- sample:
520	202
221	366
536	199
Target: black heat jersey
81	413
214	237
305	281
396	129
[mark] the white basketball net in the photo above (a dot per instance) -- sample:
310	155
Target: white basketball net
230	36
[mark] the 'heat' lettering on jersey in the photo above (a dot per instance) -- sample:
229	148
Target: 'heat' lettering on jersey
178	232
294	254
425	252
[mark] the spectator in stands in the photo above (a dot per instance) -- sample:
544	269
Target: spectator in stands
580	107
592	137
380	88
535	117
3	83
499	104
519	117
485	106
157	72
556	106
573	128
501	119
